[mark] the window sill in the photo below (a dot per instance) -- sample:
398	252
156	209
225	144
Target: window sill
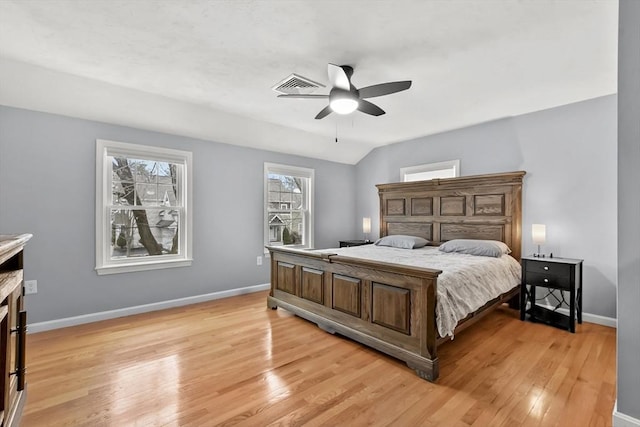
143	266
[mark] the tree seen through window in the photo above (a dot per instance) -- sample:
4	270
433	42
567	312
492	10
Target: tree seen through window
144	213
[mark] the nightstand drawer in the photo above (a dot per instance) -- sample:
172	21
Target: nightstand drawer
549	280
554	268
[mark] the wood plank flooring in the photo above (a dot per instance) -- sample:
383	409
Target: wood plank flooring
236	362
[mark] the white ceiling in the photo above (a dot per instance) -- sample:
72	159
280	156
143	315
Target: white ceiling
205	68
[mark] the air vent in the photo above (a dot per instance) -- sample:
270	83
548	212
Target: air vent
295	84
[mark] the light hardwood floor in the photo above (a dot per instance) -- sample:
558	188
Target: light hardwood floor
236	362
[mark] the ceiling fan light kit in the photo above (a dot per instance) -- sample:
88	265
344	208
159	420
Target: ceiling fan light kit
345	98
343	102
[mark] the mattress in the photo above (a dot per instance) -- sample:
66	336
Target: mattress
467	282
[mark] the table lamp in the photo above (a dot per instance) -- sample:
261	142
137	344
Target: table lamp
366	228
538	235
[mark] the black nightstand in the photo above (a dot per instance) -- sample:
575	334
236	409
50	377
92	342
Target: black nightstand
557	276
348	243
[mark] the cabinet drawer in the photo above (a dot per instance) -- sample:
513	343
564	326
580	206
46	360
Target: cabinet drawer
548	268
549	280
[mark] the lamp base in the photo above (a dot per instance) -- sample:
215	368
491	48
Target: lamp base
538	254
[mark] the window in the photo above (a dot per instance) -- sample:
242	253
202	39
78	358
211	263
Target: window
143	207
449	169
288	207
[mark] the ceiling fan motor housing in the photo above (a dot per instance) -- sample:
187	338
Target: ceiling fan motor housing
348	70
337	93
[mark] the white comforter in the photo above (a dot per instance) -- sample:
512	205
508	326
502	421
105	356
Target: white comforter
467	282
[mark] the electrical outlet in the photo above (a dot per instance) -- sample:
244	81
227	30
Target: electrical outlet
30	287
259	260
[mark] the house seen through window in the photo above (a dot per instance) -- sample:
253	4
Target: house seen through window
288	207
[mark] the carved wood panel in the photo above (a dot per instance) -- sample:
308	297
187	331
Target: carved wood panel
286	278
346	294
391	307
312	285
422	206
472	231
395	207
452	205
424	230
489	204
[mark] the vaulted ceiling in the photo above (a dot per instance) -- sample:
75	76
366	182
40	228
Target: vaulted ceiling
205	68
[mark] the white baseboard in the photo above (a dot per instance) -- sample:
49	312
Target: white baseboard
112	314
588	317
622	420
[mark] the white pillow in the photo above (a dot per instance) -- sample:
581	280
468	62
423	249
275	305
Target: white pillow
492	248
402	241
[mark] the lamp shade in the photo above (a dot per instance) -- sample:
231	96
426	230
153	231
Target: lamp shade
538	233
366	225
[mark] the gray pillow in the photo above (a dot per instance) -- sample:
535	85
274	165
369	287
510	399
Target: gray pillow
492	248
402	241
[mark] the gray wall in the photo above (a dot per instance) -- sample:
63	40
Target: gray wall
629	209
569	154
47	187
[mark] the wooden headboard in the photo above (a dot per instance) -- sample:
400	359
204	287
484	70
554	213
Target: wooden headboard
470	207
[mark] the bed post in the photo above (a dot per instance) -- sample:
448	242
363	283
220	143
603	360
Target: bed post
271	302
426	309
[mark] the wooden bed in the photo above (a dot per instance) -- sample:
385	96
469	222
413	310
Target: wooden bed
391	307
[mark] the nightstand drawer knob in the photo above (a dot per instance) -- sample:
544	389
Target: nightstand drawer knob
546	280
546	267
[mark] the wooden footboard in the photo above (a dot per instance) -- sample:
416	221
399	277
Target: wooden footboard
385	306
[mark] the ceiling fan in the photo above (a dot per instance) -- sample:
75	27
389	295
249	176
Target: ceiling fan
345	98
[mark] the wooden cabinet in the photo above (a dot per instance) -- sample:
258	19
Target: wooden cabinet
13	329
558	277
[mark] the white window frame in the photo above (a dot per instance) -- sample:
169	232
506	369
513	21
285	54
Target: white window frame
308	205
431	167
106	149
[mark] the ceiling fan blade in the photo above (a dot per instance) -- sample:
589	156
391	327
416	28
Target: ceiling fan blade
324	112
294	95
369	108
338	77
384	89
